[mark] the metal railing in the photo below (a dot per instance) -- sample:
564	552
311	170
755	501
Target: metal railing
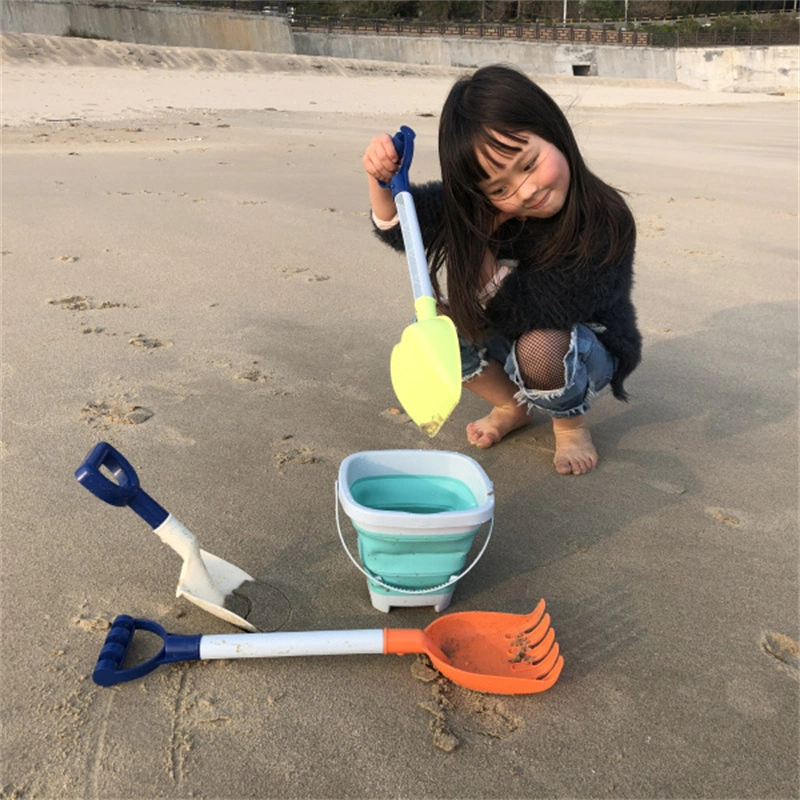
535	32
725	37
556	32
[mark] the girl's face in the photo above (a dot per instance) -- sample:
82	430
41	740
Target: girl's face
532	182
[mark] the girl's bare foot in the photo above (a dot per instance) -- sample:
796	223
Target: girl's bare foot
575	453
501	420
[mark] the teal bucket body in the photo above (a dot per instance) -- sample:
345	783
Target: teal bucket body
416	514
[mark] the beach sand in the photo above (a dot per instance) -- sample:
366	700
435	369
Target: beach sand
189	274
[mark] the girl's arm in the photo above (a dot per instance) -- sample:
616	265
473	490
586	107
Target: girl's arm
382	202
381	163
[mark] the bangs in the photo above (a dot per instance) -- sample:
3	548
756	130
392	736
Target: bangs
490	146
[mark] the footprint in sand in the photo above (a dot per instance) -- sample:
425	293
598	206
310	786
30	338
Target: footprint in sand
253	374
73	303
119	411
83	303
288	454
303	273
149	342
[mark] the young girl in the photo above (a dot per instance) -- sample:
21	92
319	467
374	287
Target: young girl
538	253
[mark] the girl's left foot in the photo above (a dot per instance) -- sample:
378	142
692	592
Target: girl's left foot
575	453
499	422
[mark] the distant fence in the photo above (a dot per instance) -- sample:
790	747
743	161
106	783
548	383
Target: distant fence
555	33
731	37
533	32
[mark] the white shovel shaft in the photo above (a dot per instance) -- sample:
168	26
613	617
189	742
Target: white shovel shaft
415	249
299	643
194	578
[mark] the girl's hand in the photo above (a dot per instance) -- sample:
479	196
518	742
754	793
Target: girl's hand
380	158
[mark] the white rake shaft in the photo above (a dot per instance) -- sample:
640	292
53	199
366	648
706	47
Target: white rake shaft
299	643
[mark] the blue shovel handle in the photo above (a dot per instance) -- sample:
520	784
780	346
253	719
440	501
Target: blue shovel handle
108	671
403	142
125	491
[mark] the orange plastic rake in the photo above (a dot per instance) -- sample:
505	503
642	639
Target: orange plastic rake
482	650
489	651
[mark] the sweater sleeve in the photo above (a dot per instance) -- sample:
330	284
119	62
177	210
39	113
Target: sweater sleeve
622	339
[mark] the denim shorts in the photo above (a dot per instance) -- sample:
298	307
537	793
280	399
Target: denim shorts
588	368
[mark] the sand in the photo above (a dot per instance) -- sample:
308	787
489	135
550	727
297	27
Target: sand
189	274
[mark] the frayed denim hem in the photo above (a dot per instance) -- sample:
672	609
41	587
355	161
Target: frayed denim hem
523	396
587	370
483	363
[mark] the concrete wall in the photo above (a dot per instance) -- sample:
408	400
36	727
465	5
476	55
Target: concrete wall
145	23
726	69
536	57
740	69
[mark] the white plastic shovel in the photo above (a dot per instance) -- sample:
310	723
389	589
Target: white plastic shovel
217	586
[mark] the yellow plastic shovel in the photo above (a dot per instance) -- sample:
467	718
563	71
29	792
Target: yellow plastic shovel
426	363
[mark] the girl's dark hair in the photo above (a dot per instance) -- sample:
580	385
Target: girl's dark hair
500	99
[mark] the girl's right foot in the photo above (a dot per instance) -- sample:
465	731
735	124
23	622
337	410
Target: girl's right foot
575	451
499	422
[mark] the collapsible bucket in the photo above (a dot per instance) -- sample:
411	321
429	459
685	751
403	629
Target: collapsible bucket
416	513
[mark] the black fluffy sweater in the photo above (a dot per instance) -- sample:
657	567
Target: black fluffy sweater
531	298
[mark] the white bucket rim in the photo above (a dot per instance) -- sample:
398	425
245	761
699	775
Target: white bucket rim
444	463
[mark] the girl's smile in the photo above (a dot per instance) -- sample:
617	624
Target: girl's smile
531	179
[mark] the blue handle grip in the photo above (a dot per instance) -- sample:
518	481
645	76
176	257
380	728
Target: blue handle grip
108	671
126	491
403	142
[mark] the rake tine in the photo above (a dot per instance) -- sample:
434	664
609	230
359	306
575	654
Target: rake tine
532	619
535	634
544	667
537	653
551	677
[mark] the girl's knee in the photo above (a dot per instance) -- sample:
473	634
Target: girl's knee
540	356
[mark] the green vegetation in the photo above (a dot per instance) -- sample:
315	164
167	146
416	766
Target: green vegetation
511	10
672	23
776	23
78	34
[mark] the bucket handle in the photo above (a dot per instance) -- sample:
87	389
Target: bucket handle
377	579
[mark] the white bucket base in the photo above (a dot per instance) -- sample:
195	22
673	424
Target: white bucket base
385	602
